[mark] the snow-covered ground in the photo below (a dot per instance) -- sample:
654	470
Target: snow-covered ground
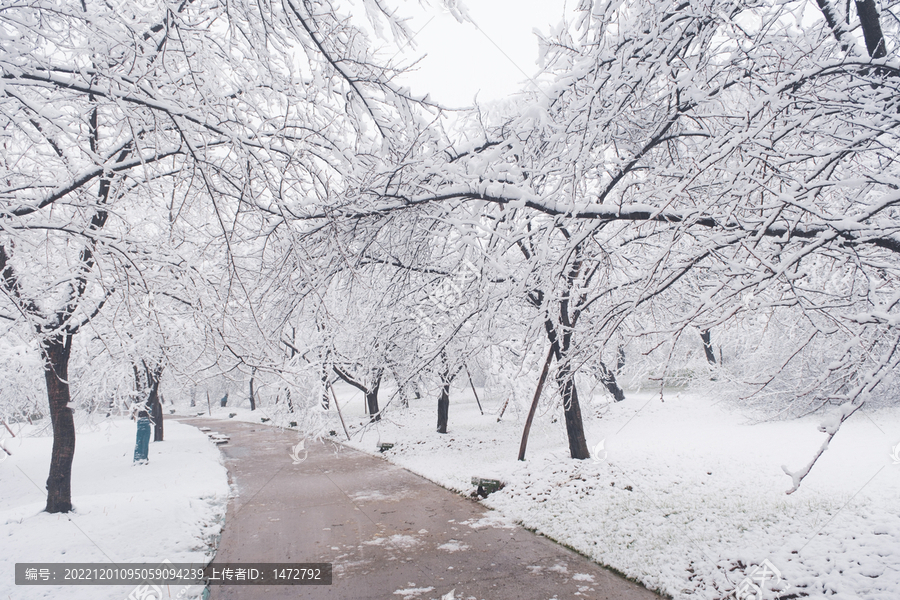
170	509
685	495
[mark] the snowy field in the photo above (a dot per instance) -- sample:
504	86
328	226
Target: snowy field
686	496
170	509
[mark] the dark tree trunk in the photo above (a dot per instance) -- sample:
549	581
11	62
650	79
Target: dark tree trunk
153	403
871	26
56	351
443	407
325	399
156	412
706	337
371	393
565	378
608	379
372	401
447	377
252	397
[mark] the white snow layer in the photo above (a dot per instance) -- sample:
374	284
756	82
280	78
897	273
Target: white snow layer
169	509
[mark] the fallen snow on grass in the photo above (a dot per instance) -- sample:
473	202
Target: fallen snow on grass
684	495
169	509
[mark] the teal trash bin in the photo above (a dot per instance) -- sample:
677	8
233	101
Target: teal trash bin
142	445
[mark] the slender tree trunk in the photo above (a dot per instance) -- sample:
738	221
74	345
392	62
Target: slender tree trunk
472	383
534	402
338	407
156	411
56	351
290	403
325	399
252	396
443	405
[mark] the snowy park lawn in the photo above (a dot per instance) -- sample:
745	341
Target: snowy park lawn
170	509
686	496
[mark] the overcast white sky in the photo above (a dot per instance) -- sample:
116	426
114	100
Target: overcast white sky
462	61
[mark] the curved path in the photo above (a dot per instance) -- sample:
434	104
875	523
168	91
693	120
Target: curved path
389	534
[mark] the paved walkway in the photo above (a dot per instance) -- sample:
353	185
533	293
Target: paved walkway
390	534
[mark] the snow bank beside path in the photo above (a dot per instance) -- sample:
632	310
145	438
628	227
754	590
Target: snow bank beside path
170	509
683	495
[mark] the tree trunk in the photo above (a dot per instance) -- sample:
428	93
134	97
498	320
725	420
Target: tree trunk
372	401
706	337
154	404
534	402
156	409
443	407
56	352
608	379
474	393
325	400
565	378
252	397
371	393
871	26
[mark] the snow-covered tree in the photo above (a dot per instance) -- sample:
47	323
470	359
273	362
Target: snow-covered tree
121	117
698	161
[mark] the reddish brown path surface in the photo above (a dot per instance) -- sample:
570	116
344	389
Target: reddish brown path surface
389	534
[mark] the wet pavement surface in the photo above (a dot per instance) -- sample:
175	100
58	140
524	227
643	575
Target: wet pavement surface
388	533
